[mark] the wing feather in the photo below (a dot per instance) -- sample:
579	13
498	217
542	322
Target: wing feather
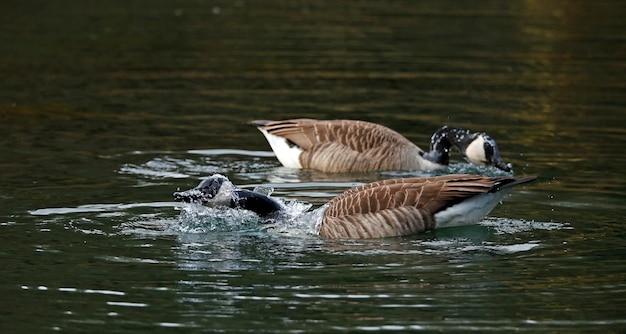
401	206
346	145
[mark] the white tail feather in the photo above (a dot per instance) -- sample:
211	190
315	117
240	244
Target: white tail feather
288	155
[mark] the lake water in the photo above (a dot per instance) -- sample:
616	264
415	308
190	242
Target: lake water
106	108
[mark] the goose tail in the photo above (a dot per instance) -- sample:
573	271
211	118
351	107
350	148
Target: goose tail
506	182
258	123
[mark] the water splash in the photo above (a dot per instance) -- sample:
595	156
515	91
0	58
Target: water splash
300	221
265	190
295	221
468	168
513	226
196	218
455	168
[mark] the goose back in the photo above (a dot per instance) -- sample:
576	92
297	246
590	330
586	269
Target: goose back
405	206
347	145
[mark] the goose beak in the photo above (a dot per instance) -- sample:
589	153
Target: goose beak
497	161
492	154
207	191
190	196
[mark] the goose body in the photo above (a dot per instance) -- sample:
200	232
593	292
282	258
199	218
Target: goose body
339	146
406	206
388	208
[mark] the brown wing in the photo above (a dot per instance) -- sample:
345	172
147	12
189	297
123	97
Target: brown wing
359	136
398	206
346	145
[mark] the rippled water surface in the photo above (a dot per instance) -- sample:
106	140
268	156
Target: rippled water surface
107	108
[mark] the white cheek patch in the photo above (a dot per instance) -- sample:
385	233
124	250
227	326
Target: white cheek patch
288	155
475	151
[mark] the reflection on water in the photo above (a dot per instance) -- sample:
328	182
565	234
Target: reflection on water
301	195
216	266
107	108
302	199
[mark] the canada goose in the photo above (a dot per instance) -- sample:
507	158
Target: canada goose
339	146
387	208
217	190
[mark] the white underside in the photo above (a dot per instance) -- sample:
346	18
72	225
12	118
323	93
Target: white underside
470	211
288	156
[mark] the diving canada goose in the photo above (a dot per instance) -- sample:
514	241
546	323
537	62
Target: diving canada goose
339	146
389	208
217	190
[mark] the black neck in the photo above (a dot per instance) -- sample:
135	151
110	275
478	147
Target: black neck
259	203
445	138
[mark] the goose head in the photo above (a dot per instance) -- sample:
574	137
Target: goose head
483	150
215	190
476	147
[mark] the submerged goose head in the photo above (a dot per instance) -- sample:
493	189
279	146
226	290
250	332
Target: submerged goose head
217	191
477	147
340	146
386	208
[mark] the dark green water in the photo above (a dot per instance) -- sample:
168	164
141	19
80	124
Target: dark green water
107	107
